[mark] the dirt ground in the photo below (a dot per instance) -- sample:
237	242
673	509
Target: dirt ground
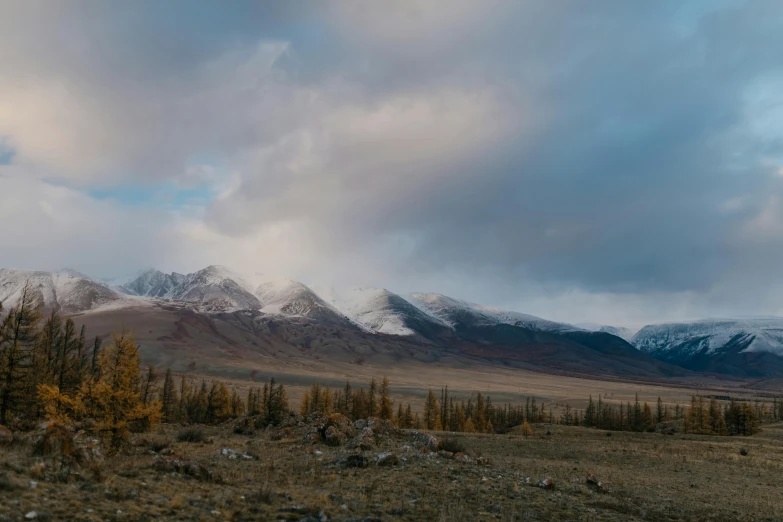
274	474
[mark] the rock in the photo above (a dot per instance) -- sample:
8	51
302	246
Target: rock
387	459
357	461
365	440
359	424
482	461
33	484
313	435
6	435
547	483
341	423
234	455
88	451
32	515
334	437
592	480
425	439
177	465
744	452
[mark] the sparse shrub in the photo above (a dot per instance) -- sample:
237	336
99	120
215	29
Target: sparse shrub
191	435
452	445
158	445
527	431
7	483
744	452
264	495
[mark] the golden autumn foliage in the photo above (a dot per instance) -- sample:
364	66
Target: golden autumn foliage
112	399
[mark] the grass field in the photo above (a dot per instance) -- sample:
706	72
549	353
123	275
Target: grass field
645	476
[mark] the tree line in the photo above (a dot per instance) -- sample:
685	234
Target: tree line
702	417
49	369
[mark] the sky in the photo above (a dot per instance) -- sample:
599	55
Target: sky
611	162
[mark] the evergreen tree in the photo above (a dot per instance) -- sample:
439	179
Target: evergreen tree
386	405
148	386
432	412
114	400
218	403
372	408
305	406
17	342
170	401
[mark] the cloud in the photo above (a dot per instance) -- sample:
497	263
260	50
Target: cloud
611	163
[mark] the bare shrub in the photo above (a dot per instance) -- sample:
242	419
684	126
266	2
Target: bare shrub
191	435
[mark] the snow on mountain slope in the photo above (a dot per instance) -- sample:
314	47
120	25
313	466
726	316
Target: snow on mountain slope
382	311
712	336
620	331
153	283
455	311
215	288
292	298
64	290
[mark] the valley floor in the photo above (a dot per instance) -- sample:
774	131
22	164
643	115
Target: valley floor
275	475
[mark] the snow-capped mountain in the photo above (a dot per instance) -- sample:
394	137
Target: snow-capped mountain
67	290
455	312
721	345
620	331
382	311
294	299
215	288
153	283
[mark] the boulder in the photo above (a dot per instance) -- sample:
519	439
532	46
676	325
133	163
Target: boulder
178	465
88	451
365	440
387	459
357	461
592	481
425	439
334	437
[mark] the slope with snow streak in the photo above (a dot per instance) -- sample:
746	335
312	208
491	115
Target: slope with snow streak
382	311
64	291
748	347
215	288
711	336
153	283
620	331
294	299
455	311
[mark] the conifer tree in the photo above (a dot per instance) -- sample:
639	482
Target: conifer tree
305	405
218	403
347	402
386	405
17	342
432	412
372	407
148	385
114	400
170	401
237	406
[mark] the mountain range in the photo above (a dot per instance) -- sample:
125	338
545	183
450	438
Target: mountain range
213	308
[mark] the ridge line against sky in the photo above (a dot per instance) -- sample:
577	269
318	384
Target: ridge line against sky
620	163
